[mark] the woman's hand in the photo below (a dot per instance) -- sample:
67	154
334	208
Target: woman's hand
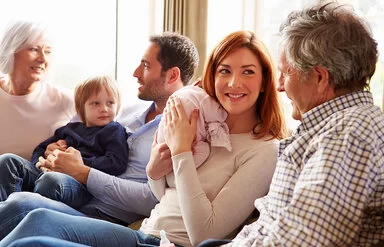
160	162
69	162
179	131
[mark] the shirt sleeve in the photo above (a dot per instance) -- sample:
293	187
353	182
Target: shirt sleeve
125	194
157	186
233	204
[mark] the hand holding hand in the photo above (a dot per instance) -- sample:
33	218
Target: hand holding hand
42	165
69	162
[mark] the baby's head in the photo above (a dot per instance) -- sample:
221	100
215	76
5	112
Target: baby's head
97	100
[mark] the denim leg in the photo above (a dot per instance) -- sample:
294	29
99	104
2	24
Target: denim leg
94	212
17	174
145	240
43	242
62	187
19	204
213	242
83	230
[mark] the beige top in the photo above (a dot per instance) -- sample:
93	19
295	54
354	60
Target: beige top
30	119
215	199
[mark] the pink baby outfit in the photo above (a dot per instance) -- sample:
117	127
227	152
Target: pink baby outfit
211	127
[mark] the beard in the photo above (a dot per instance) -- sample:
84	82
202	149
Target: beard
153	90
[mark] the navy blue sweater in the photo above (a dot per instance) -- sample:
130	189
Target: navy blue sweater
104	148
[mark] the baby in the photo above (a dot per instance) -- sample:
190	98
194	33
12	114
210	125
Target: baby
211	127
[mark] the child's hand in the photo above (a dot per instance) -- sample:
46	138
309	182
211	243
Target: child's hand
60	145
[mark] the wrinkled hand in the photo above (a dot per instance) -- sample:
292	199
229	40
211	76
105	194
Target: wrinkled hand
60	145
179	131
160	162
69	162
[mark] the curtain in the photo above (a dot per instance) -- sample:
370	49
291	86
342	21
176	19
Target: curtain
189	18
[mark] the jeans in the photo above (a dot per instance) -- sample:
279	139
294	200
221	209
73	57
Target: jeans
16	174
82	230
44	242
19	204
212	242
62	187
92	210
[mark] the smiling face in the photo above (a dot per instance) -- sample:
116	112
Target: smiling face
150	77
31	63
100	109
300	89
238	82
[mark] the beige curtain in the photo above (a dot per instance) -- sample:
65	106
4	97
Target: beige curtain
189	18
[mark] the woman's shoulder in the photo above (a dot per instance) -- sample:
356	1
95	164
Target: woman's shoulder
59	97
53	90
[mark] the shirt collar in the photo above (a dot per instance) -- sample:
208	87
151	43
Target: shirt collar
323	111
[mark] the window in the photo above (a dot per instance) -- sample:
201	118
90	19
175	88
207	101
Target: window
84	37
85	34
136	21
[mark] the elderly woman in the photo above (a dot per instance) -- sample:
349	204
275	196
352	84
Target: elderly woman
31	108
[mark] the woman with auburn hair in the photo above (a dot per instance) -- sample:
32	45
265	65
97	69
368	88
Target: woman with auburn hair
215	199
268	107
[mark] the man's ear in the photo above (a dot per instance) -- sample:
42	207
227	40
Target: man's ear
322	76
173	75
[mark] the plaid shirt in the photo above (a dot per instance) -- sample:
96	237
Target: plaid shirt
328	187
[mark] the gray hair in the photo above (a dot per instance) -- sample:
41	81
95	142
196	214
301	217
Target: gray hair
331	36
17	36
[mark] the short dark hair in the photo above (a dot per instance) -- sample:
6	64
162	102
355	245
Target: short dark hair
177	51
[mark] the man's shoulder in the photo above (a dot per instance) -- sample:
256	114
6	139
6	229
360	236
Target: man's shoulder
133	110
362	115
362	121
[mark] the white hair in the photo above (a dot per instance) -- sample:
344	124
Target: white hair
18	35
